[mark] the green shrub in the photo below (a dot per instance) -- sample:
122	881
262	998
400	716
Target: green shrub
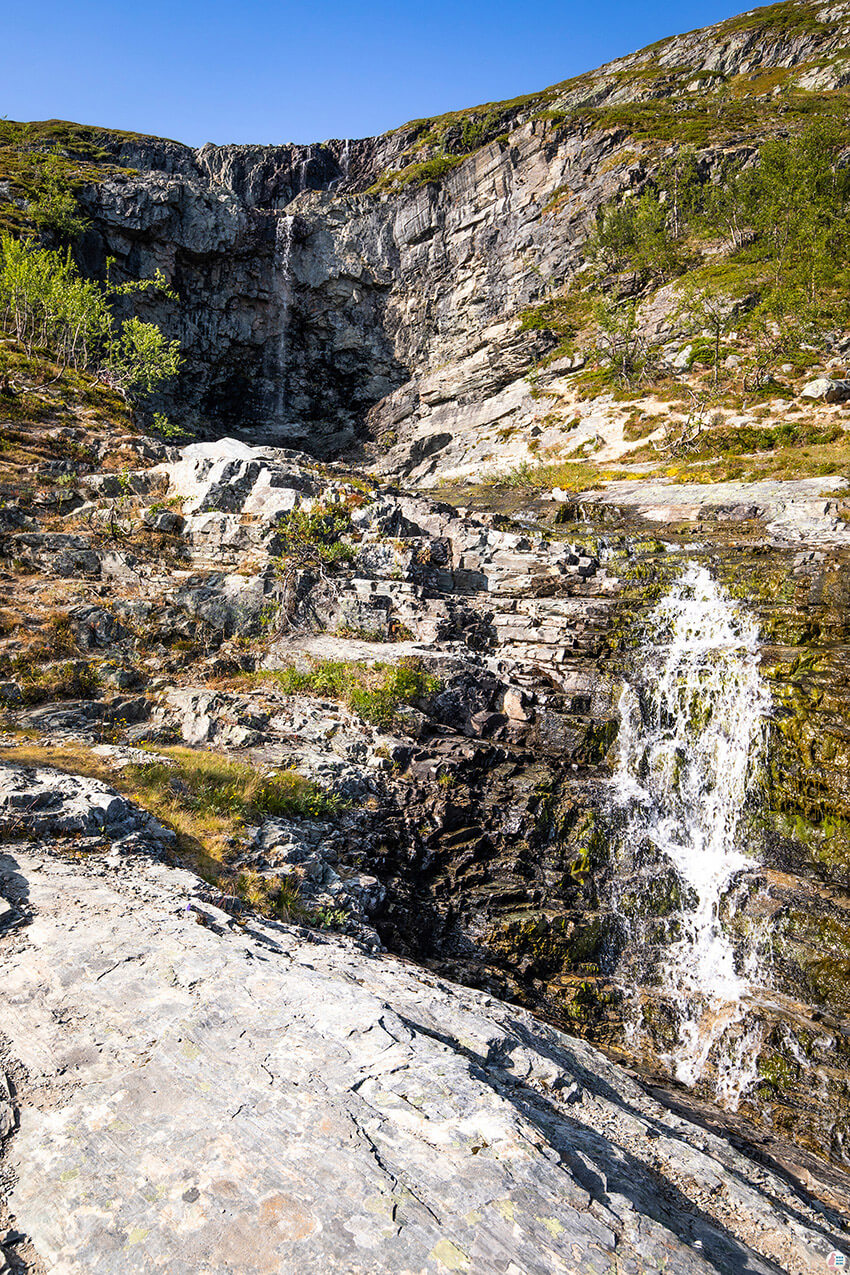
375	692
54	206
50	308
315	535
429	170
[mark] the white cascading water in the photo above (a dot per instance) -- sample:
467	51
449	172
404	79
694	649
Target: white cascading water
344	162
283	253
690	736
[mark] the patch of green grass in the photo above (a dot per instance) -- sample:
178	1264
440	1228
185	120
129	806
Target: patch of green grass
561	318
789	17
420	174
206	783
375	692
570	475
759	438
206	798
710	120
273	896
76	679
820	460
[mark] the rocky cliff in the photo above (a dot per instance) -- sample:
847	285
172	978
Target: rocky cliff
344	825
333	292
198	1096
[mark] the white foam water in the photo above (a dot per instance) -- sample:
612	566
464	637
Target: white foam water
690	737
283	254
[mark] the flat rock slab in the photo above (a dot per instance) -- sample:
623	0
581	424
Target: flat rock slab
794	510
207	1098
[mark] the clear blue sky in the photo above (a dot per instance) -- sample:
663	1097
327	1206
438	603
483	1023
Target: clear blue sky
257	71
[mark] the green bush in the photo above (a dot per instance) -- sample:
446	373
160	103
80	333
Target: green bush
375	692
315	535
54	207
47	306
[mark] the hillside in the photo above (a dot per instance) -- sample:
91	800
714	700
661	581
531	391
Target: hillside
424	723
380	289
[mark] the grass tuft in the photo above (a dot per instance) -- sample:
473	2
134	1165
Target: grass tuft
375	692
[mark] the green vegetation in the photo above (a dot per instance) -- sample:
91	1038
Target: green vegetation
419	174
647	234
51	310
779	282
314	537
788	18
54	207
570	475
744	439
206	798
376	692
563	317
208	784
72	154
75	679
273	896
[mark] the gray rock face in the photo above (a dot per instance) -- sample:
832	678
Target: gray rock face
828	390
211	1097
801	510
46	801
312	299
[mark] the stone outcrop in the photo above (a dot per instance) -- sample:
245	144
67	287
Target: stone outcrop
195	1094
478	836
384	1083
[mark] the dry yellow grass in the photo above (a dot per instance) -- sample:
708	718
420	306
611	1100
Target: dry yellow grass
205	798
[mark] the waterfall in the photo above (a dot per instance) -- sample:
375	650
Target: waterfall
344	163
283	255
690	735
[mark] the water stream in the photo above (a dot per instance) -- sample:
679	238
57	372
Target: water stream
690	739
344	163
283	254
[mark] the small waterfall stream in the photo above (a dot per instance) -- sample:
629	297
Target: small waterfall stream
283	254
344	163
690	737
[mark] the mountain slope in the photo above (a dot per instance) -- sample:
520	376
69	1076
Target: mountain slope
374	287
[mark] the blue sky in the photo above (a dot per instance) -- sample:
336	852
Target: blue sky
262	72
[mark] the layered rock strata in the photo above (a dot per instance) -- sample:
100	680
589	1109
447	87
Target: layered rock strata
332	292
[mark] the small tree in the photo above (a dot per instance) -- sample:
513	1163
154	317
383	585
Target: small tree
138	358
620	343
49	308
679	179
708	309
55	207
728	207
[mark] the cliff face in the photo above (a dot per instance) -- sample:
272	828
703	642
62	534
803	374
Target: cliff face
183	622
373	287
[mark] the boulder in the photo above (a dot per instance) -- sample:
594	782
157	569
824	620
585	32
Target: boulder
827	390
